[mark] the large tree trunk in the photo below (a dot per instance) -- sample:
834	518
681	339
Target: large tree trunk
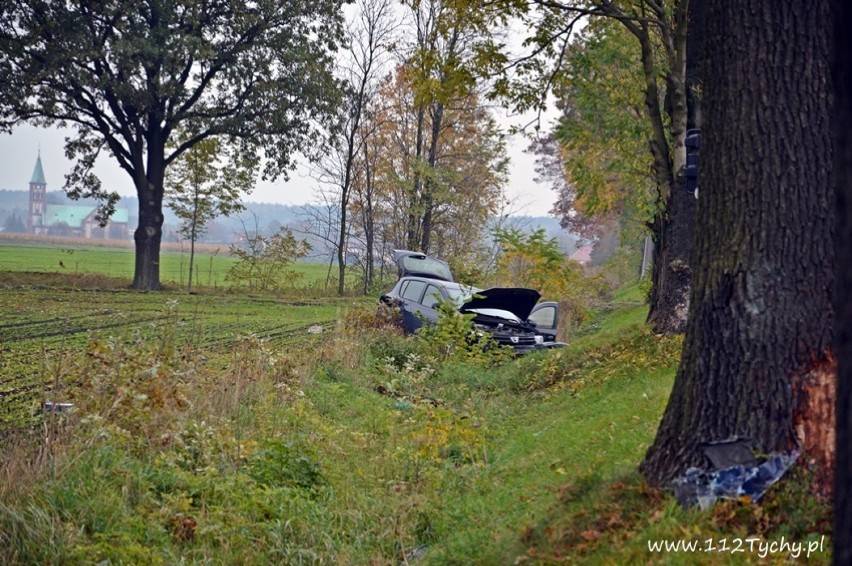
674	228
148	236
149	180
671	276
843	287
757	359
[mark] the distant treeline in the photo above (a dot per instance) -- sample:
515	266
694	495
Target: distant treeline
263	218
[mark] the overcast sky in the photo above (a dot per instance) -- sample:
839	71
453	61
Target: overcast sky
18	152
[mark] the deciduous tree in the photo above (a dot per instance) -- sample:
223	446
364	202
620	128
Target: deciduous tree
596	159
369	36
126	74
266	263
203	184
659	28
758	359
466	184
603	130
440	67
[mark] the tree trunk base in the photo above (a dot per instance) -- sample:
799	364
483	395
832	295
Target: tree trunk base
147	272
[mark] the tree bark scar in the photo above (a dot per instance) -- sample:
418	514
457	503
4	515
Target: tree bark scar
815	392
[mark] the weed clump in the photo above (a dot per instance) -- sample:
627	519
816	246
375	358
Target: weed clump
637	350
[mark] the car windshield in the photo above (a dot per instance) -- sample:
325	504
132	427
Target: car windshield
460	295
496	313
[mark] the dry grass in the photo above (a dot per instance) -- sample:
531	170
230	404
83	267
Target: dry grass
78	281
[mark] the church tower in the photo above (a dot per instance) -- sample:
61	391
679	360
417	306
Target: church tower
38	190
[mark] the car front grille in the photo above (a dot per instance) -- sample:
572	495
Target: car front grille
515	340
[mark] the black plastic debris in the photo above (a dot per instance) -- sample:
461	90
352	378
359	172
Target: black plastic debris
736	474
729	452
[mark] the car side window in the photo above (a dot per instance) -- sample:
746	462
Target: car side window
414	291
432	298
403	287
544	317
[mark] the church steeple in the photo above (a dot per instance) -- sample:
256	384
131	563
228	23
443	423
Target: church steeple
38	196
38	173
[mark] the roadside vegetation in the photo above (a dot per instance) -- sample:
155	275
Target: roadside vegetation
201	434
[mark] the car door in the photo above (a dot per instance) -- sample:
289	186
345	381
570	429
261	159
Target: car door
409	304
432	297
545	316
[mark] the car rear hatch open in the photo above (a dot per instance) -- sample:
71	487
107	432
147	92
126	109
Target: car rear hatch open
421	265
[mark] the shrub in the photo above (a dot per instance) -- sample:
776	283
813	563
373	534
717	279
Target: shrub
532	260
278	464
265	264
454	336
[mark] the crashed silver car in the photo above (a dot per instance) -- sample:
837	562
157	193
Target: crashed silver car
512	315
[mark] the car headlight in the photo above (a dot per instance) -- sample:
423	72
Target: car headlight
539	339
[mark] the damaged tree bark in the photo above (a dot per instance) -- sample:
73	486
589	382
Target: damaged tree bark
757	357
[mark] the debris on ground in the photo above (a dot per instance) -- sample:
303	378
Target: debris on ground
54	407
735	473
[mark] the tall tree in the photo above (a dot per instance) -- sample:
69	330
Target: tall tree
659	29
364	203
757	358
369	35
606	182
466	186
126	74
843	286
440	66
203	184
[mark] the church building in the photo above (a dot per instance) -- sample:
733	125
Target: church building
67	219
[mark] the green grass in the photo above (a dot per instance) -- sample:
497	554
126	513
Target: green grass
591	428
210	270
356	446
636	293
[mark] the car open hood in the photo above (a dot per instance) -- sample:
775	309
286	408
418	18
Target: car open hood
420	265
517	300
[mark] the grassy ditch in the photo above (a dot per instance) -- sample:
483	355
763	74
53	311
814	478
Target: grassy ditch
362	446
